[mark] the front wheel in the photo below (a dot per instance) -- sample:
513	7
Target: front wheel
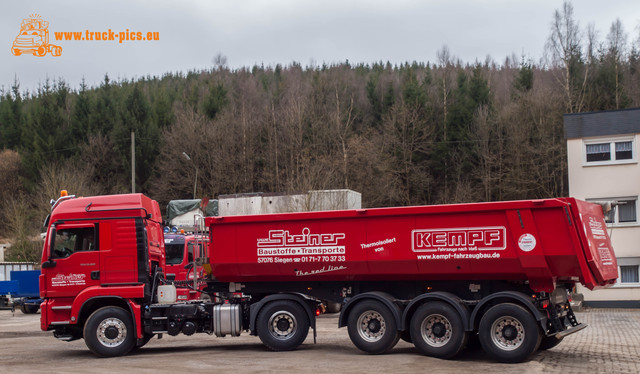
372	327
109	332
437	330
282	325
509	333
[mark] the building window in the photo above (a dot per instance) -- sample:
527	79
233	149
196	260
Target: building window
629	270
609	151
624	214
598	152
630	274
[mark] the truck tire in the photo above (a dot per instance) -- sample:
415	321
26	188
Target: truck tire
109	332
549	342
29	308
437	330
282	325
509	333
372	327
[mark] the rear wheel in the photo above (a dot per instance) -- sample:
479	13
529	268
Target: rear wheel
282	325
372	327
109	332
509	333
437	330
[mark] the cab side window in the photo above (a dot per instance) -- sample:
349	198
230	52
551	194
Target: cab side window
70	241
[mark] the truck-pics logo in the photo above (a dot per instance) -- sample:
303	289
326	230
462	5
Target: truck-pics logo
462	239
282	243
33	38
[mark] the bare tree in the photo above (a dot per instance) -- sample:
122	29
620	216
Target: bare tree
616	45
565	49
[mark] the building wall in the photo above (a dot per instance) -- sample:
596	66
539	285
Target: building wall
588	181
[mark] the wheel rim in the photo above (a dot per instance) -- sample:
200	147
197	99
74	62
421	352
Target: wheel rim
507	333
282	325
371	326
112	332
436	330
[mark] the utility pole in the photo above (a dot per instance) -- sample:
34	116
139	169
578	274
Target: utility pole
195	182
133	162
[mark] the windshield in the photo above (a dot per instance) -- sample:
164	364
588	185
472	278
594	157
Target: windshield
175	253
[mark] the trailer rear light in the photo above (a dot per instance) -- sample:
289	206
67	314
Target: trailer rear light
544	304
317	312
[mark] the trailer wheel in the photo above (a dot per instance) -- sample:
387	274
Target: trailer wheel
282	325
437	330
109	332
29	309
509	333
372	327
549	342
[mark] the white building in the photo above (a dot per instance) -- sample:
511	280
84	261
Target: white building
603	154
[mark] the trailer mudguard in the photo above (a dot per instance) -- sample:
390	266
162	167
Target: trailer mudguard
255	309
510	296
383	297
447	297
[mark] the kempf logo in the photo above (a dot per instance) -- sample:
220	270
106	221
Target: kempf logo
470	238
34	38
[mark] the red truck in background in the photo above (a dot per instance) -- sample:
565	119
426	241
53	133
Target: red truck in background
181	251
431	275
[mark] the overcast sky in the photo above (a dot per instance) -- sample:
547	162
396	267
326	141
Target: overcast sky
252	32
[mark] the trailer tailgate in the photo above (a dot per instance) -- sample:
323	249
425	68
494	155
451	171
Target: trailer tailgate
597	246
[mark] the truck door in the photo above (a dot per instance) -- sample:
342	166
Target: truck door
74	257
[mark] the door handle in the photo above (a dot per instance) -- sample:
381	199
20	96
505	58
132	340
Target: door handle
95	275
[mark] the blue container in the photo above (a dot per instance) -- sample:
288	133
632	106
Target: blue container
28	283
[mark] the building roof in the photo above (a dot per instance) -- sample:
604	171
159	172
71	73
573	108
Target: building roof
613	122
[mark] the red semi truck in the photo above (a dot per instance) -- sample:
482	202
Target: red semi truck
181	250
432	275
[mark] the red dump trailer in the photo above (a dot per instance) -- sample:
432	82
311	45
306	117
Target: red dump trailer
435	276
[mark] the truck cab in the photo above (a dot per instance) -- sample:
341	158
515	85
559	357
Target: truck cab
100	251
180	249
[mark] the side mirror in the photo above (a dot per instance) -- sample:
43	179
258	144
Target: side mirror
48	264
